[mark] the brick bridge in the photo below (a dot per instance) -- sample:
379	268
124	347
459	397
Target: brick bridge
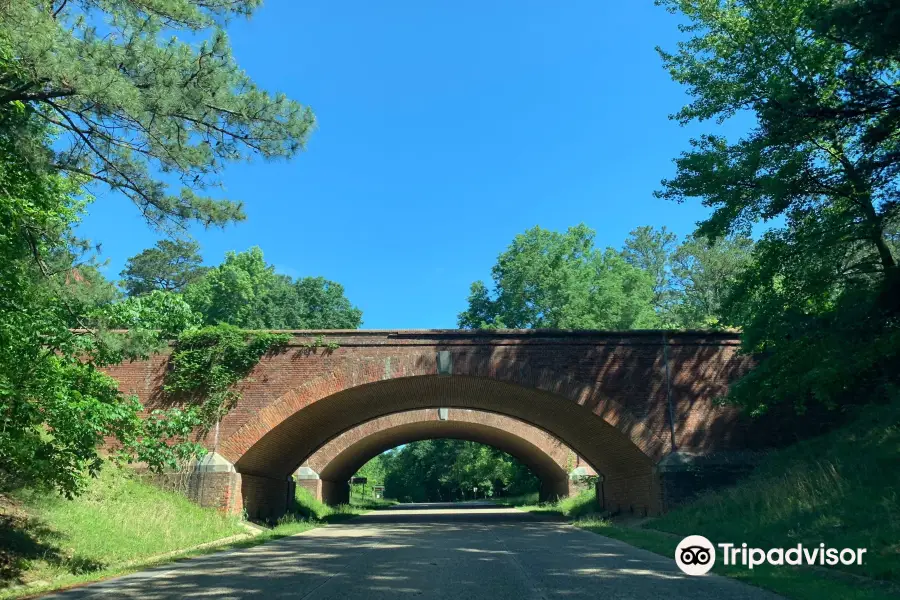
636	406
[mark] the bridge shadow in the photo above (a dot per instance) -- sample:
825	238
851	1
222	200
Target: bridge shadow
445	512
623	379
445	559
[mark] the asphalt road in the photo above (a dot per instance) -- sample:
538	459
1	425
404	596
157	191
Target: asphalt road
428	551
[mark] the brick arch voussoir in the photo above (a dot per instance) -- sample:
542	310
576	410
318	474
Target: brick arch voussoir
506	370
545	455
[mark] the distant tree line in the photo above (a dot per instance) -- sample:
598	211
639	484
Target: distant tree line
243	291
446	470
547	279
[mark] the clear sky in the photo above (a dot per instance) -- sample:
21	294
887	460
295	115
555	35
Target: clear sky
444	129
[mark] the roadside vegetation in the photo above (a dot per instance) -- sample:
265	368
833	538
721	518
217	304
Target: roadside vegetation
45	538
839	489
307	508
372	503
444	470
50	542
572	507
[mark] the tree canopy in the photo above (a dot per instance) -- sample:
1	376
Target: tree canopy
819	168
138	108
444	470
169	266
106	94
824	155
246	292
650	250
560	280
704	274
56	407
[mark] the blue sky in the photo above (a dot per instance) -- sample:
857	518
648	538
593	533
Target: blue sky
444	129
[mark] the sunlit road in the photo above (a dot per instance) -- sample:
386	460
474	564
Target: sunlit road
428	551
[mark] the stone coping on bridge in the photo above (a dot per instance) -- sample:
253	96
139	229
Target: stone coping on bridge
350	338
503	337
514	332
654	334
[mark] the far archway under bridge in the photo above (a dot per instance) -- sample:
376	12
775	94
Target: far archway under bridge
325	473
637	406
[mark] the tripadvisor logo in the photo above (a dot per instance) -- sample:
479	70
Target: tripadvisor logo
696	555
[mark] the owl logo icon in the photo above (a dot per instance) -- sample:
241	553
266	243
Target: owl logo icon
695	555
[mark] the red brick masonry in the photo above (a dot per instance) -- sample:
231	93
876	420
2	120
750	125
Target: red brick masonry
335	462
622	401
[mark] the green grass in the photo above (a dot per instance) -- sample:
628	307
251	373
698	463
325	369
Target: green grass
369	503
842	489
306	507
522	500
118	520
584	503
121	525
286	527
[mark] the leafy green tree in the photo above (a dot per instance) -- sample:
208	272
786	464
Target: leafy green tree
444	470
234	291
321	304
651	250
151	321
87	289
871	27
704	274
135	106
163	311
56	407
825	153
106	92
560	280
819	300
374	471
246	292
169	266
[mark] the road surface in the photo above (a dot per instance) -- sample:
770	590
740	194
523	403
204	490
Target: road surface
463	552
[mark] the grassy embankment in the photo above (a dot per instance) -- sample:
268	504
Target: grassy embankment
308	508
842	489
120	525
572	507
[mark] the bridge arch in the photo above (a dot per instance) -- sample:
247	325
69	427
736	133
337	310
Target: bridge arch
326	472
272	446
632	404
